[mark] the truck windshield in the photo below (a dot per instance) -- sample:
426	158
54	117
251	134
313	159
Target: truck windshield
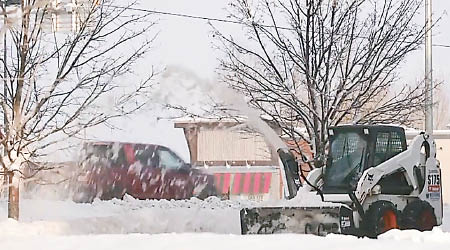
344	168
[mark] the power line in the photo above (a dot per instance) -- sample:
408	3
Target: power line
214	19
183	15
441	45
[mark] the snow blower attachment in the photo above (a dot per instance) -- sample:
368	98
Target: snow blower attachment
371	183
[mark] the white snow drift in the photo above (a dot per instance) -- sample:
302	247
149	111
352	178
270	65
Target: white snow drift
135	224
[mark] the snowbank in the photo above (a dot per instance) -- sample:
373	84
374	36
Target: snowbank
208	241
135	224
53	217
40	217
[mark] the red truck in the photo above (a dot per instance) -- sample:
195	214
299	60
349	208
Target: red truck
144	171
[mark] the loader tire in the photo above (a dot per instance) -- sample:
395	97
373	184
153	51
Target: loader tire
419	215
381	217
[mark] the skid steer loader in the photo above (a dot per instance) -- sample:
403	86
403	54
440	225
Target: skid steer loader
372	182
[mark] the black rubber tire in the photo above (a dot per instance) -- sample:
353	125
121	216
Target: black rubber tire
117	192
419	215
207	192
84	194
83	197
374	218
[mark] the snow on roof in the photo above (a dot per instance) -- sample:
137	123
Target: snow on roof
188	119
212	119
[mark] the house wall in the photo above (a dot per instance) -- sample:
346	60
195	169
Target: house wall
230	145
61	15
443	155
67	17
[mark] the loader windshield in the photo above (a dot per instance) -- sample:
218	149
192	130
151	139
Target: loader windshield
346	162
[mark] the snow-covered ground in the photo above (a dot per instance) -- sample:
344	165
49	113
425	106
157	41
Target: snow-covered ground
192	224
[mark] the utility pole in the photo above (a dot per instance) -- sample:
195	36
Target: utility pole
428	68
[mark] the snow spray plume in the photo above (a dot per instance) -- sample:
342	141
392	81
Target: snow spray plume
177	79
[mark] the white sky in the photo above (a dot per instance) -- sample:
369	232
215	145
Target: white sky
187	43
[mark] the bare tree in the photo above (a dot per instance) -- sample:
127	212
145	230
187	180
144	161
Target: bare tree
313	64
441	113
56	83
441	110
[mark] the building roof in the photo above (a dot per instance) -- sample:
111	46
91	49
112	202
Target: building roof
188	119
212	121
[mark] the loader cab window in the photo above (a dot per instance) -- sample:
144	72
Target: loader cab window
348	156
388	145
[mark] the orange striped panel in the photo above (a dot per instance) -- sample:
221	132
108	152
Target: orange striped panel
247	182
257	183
237	183
267	180
226	183
243	183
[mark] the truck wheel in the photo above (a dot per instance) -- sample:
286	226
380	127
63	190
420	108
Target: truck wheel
82	198
381	217
118	192
84	194
419	215
207	192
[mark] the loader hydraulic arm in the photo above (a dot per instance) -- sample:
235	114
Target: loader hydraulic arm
405	161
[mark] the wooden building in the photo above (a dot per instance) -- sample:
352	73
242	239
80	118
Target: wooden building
244	164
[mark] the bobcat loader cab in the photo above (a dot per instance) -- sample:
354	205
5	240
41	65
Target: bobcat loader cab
376	182
354	149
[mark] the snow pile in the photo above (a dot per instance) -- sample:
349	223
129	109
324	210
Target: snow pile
437	235
52	217
124	216
446	220
135	224
45	217
208	241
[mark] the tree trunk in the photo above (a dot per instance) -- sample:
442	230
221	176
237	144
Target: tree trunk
5	185
13	196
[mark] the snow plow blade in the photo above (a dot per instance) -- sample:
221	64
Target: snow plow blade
300	220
